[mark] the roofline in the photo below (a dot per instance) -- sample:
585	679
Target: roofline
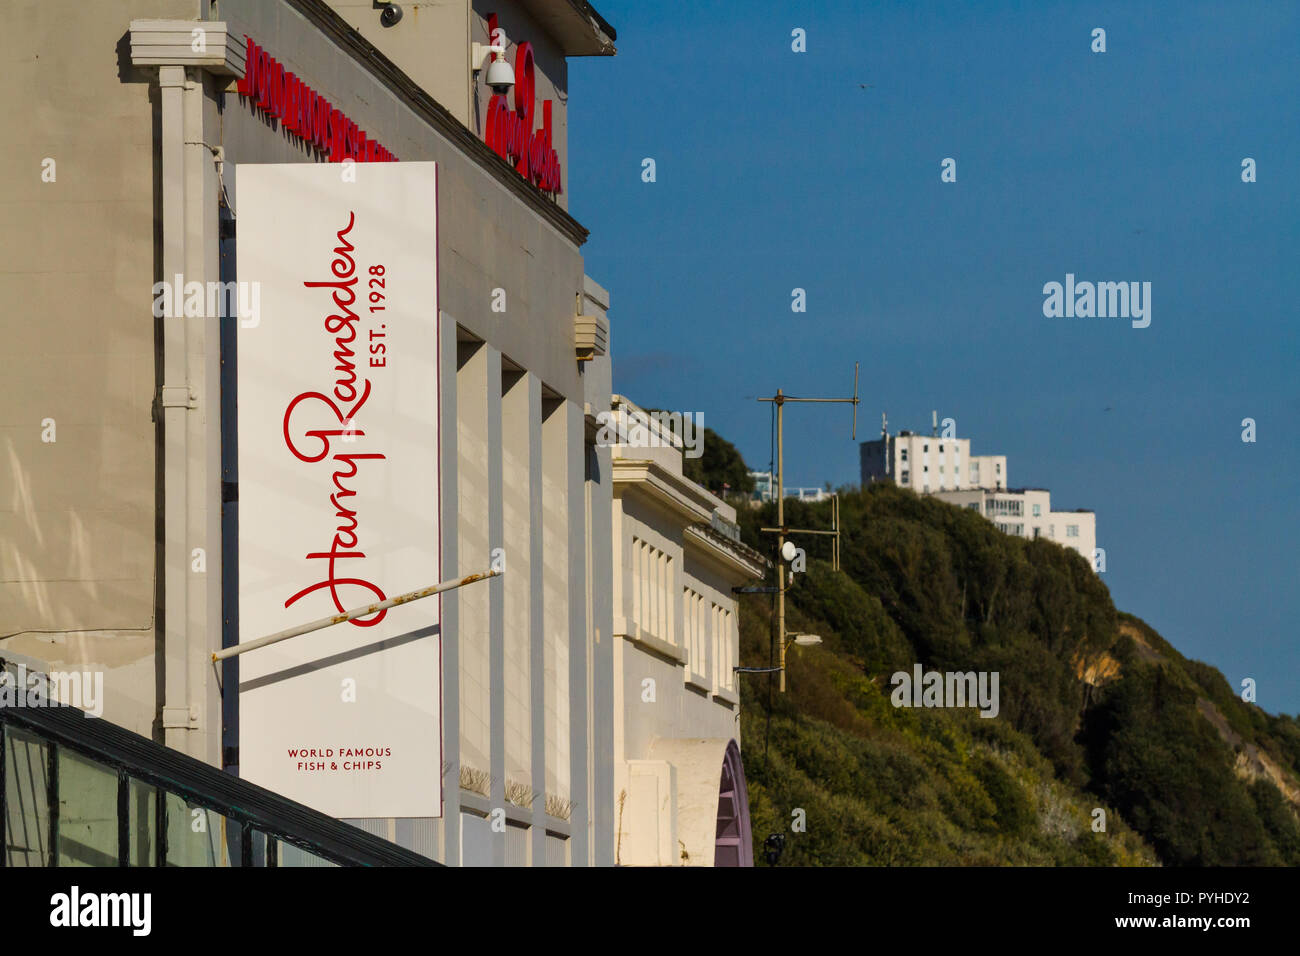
574	25
740	558
601	22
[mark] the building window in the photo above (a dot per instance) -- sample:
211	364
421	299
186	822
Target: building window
724	648
1072	531
652	579
1037	531
26	799
998	467
87	830
696	639
1038	511
1051	531
1002	506
902	454
902	479
925	448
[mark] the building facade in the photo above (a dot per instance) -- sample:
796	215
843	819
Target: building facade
677	556
929	463
1027	513
129	121
945	468
765	490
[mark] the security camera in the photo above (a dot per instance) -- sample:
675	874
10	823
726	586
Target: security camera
500	76
392	13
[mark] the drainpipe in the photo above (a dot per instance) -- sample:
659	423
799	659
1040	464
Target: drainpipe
175	400
188	399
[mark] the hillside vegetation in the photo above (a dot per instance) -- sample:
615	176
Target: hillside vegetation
1097	711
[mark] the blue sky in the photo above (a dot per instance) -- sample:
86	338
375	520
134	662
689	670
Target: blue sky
776	170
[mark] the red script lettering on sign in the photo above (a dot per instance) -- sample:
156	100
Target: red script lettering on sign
346	538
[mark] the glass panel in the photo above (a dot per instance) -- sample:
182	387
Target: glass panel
259	847
197	836
87	811
142	810
27	799
290	855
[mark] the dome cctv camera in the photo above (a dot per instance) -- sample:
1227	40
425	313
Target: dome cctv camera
392	13
500	76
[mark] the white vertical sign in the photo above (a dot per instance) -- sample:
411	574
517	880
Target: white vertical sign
339	486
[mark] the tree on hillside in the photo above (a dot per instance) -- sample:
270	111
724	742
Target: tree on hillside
720	467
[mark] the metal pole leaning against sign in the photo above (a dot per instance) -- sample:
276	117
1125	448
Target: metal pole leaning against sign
346	616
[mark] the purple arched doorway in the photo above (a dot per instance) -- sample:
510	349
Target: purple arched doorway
734	844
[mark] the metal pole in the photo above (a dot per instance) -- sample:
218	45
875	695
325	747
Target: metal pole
780	399
835	530
780	523
350	615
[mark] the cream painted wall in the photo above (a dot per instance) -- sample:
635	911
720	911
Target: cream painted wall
551	74
474	549
992	471
1086	540
78	516
660	701
77	513
555	780
521	456
428	44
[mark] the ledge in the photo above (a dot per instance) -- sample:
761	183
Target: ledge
680	495
699	682
735	556
170	43
523	816
656	645
475	802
